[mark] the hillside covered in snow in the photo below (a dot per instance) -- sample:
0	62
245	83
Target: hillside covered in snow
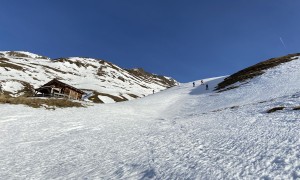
22	72
247	129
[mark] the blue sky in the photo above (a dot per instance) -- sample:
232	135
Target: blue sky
187	40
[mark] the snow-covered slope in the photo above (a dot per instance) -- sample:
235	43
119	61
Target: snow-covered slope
183	132
24	69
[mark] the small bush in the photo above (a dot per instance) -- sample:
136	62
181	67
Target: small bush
275	109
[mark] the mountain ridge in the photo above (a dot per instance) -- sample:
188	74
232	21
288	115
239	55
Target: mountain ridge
253	71
96	76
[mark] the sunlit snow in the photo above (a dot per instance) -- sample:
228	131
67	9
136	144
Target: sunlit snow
106	99
12	86
184	132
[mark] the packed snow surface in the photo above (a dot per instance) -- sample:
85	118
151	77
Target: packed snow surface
181	133
106	99
12	86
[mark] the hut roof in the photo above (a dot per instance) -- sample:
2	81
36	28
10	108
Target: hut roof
55	81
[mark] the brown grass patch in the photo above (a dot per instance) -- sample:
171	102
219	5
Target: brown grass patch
234	107
27	91
297	108
102	62
254	70
100	71
22	55
96	99
115	98
34	78
48	67
60	60
37	102
229	88
148	77
17	54
77	62
10	65
3	59
134	96
275	109
113	66
121	78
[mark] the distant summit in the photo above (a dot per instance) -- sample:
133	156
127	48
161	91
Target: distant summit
22	54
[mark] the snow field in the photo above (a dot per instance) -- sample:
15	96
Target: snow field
106	99
12	86
179	133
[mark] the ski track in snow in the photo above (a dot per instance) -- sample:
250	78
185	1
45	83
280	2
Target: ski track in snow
179	133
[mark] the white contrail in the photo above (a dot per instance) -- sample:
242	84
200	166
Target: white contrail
282	42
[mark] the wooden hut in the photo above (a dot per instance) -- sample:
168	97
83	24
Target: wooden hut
56	88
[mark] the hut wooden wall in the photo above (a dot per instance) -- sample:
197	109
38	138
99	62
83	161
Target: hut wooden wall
72	94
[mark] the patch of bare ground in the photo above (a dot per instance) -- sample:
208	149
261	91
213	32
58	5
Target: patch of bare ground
133	95
77	63
3	59
297	108
48	67
17	54
145	76
5	64
27	91
275	109
253	71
